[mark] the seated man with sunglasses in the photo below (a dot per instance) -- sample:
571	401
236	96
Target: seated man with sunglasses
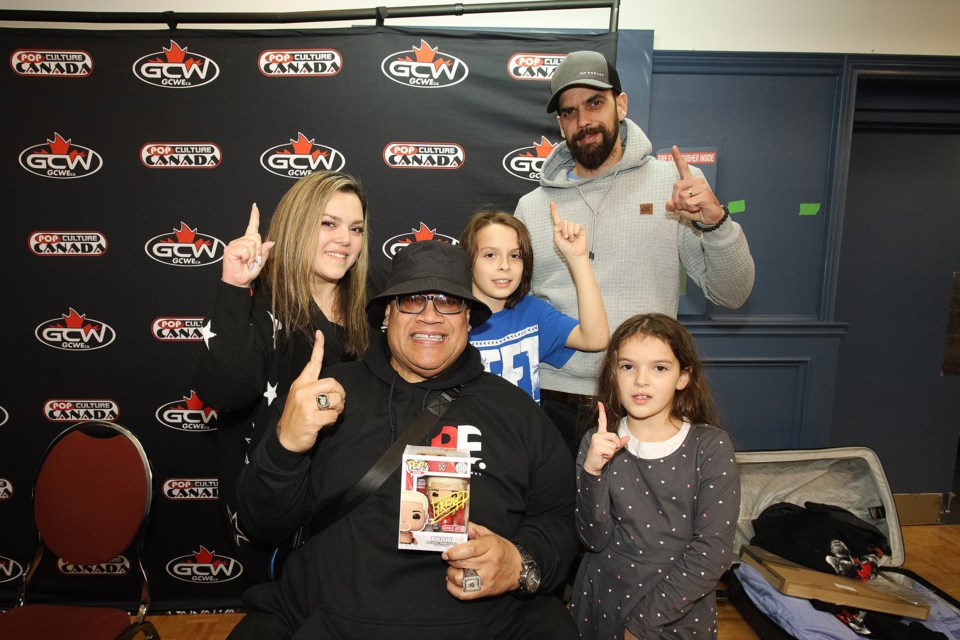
349	580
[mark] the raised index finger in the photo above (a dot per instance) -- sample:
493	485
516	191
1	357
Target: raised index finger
601	418
311	371
682	167
254	225
555	214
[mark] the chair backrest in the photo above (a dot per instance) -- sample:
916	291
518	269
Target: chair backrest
92	497
92	493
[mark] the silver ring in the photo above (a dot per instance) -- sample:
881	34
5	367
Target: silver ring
471	581
323	401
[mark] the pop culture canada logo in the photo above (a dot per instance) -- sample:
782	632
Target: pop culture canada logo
395	244
533	66
69	410
423	155
181	155
191	489
177	329
119	566
60	159
10	569
300	63
301	157
175	68
184	247
6	489
67	243
51	63
204	566
527	162
74	332
424	67
187	414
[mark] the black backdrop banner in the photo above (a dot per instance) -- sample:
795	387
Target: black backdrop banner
130	158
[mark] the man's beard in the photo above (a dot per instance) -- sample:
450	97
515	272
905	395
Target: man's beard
594	155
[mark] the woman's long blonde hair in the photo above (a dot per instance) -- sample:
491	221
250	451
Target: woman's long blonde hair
288	274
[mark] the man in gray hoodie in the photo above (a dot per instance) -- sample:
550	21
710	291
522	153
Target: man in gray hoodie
645	218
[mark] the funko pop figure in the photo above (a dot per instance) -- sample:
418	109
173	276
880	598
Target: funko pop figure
414	509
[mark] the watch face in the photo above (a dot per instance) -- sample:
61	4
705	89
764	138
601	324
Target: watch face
531	581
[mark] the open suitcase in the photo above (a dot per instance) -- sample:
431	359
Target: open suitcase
848	477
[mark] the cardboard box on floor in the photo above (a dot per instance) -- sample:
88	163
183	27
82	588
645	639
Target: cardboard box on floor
792	579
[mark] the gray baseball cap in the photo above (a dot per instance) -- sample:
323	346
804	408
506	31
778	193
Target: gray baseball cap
582	69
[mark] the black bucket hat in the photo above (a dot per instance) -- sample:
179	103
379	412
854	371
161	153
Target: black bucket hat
428	266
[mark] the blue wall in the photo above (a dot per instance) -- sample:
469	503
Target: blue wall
785	372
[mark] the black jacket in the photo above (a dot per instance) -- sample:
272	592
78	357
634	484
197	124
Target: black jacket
523	488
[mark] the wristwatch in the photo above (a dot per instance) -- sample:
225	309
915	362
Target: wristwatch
529	572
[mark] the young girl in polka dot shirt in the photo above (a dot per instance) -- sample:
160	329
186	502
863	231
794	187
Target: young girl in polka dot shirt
658	493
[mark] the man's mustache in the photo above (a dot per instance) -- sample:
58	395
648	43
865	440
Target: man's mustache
589	131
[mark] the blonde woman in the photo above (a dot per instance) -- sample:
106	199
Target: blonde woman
309	275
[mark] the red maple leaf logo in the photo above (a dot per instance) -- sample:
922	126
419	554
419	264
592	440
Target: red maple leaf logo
194	403
186	235
206	557
427	54
61	147
174	53
420	235
541	150
74	320
303	147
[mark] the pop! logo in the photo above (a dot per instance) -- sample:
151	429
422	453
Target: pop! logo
10	569
188	414
424	67
301	157
300	63
4	416
191	489
527	162
423	155
119	566
204	566
177	329
417	467
174	68
73	332
393	245
533	66
185	248
67	243
60	159
78	410
180	155
6	489
51	63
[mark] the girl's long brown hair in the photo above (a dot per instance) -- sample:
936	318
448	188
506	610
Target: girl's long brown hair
693	403
288	273
492	215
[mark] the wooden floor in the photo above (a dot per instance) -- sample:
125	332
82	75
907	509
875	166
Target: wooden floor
931	551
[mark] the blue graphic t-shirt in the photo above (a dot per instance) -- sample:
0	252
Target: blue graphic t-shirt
513	342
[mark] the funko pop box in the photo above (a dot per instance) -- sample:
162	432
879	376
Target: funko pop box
434	498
